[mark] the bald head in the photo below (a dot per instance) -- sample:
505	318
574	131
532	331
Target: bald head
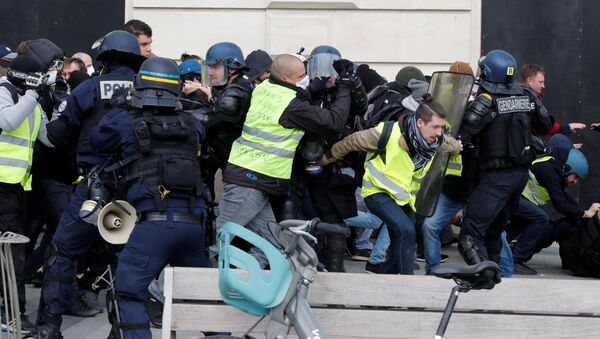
87	60
288	68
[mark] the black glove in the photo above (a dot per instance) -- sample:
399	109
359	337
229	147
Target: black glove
120	97
345	70
343	67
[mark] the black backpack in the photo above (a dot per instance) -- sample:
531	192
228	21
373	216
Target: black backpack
379	108
580	252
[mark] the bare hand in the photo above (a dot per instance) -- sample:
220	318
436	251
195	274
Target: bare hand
578	146
574	126
324	161
590	212
206	90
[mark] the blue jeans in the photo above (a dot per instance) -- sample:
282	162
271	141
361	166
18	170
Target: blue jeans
401	229
532	223
506	258
446	208
366	222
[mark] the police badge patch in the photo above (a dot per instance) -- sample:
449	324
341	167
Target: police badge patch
513	104
62	106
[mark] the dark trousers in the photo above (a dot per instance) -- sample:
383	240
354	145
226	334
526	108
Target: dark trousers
72	239
12	219
151	246
51	199
529	222
491	204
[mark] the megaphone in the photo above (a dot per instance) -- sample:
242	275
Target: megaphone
116	222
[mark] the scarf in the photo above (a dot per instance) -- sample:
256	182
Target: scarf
422	152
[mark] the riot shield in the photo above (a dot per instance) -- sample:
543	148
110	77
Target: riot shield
452	91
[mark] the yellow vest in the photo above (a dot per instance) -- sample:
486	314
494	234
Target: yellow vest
16	150
533	191
265	146
455	166
393	177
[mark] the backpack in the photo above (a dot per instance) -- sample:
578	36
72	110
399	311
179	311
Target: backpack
379	108
580	252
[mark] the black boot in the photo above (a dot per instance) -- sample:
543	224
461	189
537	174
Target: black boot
468	249
79	307
335	249
48	326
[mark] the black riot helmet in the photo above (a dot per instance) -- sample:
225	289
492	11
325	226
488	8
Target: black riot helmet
119	47
157	84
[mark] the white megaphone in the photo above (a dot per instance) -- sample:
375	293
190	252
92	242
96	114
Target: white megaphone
116	222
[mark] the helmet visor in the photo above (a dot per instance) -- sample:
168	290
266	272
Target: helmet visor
216	74
321	65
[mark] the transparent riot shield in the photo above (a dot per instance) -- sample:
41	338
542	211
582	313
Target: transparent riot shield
452	91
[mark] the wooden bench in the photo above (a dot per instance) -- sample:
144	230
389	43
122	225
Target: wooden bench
355	305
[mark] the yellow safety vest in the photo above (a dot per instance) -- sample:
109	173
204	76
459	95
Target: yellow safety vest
533	191
265	146
16	150
393	177
455	166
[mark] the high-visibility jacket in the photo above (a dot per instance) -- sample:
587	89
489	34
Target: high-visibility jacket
533	191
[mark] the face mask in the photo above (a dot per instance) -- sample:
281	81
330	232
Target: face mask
90	70
304	82
52	75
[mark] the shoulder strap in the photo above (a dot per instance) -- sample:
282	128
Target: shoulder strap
12	89
388	126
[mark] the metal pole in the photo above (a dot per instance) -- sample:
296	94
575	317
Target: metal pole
448	312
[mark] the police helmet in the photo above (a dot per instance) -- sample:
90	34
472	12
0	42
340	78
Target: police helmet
320	62
157	84
119	46
576	163
226	53
498	66
190	66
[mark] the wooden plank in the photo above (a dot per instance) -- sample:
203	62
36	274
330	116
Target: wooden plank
168	303
396	324
546	296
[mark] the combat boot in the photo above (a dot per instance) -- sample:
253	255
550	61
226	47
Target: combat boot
335	249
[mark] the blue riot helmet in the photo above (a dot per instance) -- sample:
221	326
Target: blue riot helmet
498	67
220	58
119	47
157	84
190	69
320	62
576	163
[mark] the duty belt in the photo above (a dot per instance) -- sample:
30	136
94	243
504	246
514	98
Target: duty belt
498	163
176	217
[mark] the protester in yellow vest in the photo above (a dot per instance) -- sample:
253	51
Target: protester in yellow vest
386	184
260	162
548	178
21	123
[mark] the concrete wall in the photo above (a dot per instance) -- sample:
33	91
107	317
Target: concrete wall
386	34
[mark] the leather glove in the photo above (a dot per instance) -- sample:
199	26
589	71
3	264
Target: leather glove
345	70
120	97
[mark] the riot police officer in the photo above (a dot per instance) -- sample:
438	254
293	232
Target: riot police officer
162	181
331	192
119	53
501	119
224	117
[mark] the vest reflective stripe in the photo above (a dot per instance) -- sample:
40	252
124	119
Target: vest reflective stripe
265	146
455	166
533	191
392	177
267	149
16	150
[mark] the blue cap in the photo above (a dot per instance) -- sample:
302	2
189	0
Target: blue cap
6	55
190	66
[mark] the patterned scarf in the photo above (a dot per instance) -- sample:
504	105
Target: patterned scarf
422	151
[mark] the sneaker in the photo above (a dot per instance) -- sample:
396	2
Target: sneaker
443	258
522	269
373	268
154	308
26	326
361	255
